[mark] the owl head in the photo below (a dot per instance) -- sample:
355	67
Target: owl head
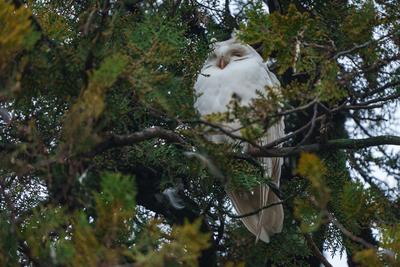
230	52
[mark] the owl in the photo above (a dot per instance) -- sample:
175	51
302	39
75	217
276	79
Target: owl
236	70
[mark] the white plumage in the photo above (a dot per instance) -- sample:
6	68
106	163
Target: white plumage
237	69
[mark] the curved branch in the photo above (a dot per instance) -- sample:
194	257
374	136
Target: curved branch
170	136
130	139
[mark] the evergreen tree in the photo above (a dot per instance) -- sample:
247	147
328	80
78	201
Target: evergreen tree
97	130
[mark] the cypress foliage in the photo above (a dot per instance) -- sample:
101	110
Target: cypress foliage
97	125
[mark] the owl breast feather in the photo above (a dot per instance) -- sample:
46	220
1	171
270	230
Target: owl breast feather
215	87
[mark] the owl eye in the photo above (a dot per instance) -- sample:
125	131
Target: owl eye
237	54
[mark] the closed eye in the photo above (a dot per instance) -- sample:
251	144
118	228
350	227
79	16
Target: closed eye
242	58
238	53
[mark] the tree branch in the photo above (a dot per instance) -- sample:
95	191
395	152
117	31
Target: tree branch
223	130
315	250
331	144
347	232
256	211
157	132
126	140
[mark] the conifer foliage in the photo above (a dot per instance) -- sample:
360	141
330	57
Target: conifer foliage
103	160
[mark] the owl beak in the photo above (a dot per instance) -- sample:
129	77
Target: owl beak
222	62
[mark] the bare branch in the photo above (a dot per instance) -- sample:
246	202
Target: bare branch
225	131
347	232
303	107
389	254
331	144
351	50
288	136
360	46
312	126
134	138
256	211
376	100
380	89
315	250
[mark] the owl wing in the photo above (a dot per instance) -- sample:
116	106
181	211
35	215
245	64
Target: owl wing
214	96
270	220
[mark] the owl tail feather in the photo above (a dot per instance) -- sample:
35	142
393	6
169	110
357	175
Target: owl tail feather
267	221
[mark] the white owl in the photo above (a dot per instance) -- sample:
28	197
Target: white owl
236	69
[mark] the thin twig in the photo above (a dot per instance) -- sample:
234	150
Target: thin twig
310	131
360	46
300	108
347	232
256	211
226	132
380	89
292	134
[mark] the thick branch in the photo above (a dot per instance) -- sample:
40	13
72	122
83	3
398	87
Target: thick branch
113	141
331	144
126	140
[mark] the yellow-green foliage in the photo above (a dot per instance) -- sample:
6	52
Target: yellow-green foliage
358	24
299	41
115	205
232	264
353	202
37	228
90	104
87	248
368	258
311	167
391	243
252	132
280	32
15	26
99	239
327	89
182	246
53	24
358	205
98	242
155	46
